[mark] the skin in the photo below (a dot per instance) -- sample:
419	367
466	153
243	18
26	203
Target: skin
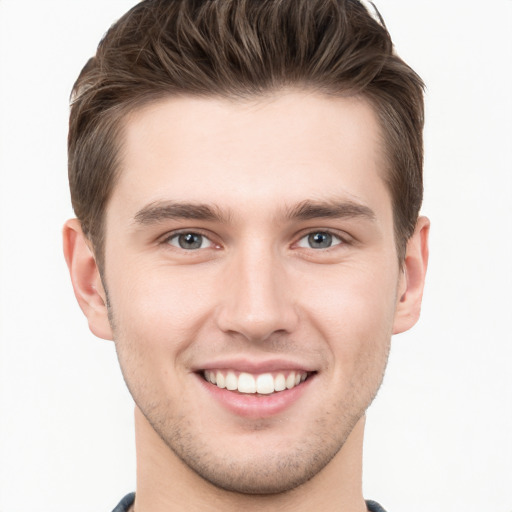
255	293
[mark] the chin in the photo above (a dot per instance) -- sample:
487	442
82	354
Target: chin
261	466
264	477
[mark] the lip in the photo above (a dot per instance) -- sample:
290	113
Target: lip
255	367
254	406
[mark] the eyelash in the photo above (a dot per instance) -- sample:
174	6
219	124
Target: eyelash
331	234
176	235
337	239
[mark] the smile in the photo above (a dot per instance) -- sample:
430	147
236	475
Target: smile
247	383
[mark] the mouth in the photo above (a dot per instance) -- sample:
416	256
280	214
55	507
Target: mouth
269	383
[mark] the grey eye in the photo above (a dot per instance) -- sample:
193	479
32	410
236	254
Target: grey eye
189	241
319	240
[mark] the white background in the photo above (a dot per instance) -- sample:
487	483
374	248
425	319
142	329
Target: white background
439	436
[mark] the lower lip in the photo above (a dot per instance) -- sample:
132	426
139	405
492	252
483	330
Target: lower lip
253	405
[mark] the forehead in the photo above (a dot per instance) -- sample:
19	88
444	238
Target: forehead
274	150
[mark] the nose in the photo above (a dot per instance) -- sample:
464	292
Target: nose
257	299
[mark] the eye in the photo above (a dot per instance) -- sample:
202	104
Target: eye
189	241
319	240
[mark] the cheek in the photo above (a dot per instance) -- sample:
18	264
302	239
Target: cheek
159	303
361	316
353	311
157	314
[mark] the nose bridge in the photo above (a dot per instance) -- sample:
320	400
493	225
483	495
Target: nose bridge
256	303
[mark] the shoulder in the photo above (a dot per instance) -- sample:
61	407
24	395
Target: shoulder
373	506
125	503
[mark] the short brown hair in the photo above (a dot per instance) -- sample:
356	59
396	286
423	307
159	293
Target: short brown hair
241	48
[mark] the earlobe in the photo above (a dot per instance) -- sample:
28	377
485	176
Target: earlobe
413	278
86	279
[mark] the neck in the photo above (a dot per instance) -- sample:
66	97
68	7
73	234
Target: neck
166	484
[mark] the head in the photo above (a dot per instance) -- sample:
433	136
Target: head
242	49
247	180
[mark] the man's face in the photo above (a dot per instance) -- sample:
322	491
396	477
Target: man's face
250	243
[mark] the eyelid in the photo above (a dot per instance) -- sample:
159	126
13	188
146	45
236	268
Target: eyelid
343	237
165	239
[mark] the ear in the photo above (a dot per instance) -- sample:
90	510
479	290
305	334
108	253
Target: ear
86	279
413	278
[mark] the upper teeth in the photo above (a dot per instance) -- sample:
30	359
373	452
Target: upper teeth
264	383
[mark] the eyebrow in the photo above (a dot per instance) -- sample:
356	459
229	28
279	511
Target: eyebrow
169	210
333	209
306	210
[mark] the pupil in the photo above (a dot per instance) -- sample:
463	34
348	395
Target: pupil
320	240
190	241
